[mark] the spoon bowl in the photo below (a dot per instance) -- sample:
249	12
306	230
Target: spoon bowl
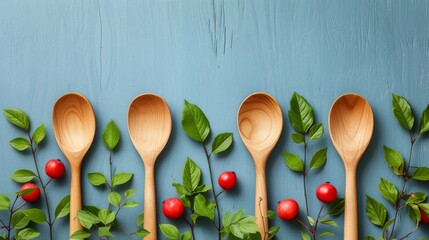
149	126
74	128
260	123
351	123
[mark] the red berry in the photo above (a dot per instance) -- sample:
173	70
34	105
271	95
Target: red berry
424	218
34	192
326	193
54	168
227	180
287	209
173	208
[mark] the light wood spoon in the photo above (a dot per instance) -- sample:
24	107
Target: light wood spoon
149	126
351	123
74	128
260	123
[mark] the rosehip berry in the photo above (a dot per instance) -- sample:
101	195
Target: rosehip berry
227	180
54	168
34	193
173	208
326	193
287	209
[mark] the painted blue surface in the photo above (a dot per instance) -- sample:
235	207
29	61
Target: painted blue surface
215	53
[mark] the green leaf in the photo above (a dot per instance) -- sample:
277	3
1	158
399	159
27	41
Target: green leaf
87	216
414	213
139	220
27	234
319	158
35	215
203	207
298	138
416	198
121	178
186	236
97	178
300	113
20	144
194	122
387	224
63	207
23	176
39	134
202	189
310	221
141	233
129	193
293	162
316	131
180	189
326	234
424	121
402	111
17	117
388	190
421	174
4	202
271	215
329	222
114	198
19	220
170	231
106	216
273	231
191	175
305	236
369	238
80	234
376	211
111	135
131	204
104	231
336	207
395	160
186	201
222	142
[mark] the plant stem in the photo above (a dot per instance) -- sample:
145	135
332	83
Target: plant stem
405	177
305	225
305	176
317	221
218	226
33	152
412	231
111	178
9	229
191	225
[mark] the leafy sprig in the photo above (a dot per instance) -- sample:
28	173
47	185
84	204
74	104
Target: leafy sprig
399	197
19	218
100	221
193	193
301	118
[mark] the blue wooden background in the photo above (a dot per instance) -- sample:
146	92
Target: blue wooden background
215	53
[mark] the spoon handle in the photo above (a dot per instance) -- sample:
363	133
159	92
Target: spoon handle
75	200
261	207
150	203
350	208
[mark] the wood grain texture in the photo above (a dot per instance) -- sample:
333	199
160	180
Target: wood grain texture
73	122
214	53
351	124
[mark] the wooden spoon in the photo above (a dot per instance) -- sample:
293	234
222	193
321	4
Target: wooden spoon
351	123
260	123
149	126
74	128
